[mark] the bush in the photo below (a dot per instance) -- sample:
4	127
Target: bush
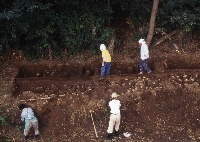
3	121
31	26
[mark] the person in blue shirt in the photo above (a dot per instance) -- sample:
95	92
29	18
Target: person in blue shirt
30	120
144	55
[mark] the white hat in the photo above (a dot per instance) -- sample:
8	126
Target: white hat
141	41
114	95
127	134
102	47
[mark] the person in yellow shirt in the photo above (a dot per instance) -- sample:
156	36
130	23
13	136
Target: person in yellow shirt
106	63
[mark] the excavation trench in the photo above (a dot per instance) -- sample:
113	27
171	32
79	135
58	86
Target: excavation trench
59	78
62	96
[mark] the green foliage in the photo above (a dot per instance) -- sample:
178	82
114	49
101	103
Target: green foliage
31	25
5	139
19	128
139	11
102	39
15	22
180	14
188	16
3	119
94	48
141	34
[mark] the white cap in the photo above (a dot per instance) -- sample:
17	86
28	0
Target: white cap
114	95
127	134
141	41
102	47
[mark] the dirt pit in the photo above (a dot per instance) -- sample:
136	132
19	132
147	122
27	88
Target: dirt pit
161	106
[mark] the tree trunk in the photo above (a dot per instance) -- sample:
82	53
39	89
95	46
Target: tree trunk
50	52
111	46
167	36
108	6
152	22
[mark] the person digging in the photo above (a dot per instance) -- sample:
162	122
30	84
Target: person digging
30	120
115	116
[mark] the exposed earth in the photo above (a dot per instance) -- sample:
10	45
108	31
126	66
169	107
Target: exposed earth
66	95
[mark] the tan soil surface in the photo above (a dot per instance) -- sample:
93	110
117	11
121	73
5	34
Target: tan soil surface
161	106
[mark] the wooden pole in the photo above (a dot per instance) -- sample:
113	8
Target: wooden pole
93	124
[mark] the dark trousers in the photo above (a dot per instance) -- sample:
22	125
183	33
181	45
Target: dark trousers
105	69
144	66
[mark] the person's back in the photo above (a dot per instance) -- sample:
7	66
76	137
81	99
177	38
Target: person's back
27	114
115	116
144	51
106	54
144	55
30	120
115	106
106	62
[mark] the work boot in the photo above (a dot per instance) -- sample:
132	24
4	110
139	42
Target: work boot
140	73
25	138
101	78
36	137
116	133
108	76
149	72
109	137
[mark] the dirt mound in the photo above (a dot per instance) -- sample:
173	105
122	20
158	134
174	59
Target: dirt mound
161	106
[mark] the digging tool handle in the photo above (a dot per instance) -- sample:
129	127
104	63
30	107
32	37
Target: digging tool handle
94	125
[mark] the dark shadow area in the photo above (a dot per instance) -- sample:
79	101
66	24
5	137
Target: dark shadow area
73	70
88	70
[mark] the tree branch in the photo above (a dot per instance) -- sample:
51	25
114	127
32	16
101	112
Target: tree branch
167	36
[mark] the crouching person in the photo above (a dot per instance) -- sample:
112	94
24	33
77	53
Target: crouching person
114	122
30	120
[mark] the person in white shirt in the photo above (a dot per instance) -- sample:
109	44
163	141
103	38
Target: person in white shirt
30	120
144	55
115	116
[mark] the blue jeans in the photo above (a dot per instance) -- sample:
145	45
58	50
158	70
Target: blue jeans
144	66
105	69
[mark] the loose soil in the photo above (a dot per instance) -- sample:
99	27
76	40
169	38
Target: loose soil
66	95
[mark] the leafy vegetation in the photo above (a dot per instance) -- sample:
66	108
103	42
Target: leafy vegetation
32	25
3	119
76	26
182	14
